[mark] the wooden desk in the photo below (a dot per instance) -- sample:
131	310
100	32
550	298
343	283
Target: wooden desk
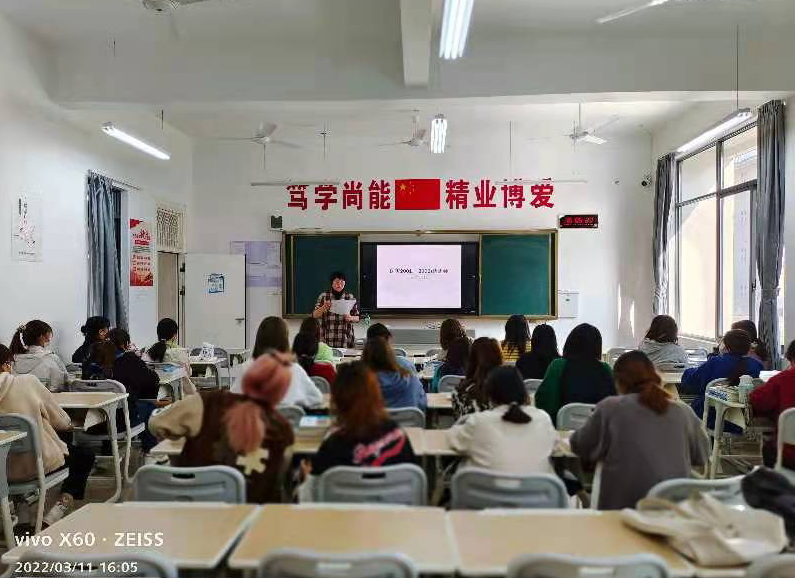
436	401
168	448
576	532
194	535
419	533
671	377
106	402
214	363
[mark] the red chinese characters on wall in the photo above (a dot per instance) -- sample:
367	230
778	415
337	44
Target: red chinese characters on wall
379	195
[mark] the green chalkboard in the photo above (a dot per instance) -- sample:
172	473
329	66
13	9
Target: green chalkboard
312	258
518	274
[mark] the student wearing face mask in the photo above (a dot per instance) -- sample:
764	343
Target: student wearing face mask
30	347
96	329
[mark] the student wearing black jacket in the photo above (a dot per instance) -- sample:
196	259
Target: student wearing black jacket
94	331
543	351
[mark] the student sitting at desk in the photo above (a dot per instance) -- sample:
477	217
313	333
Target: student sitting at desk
580	376
758	347
32	355
363	435
641	436
730	365
513	437
95	330
305	349
517	337
272	335
113	359
25	394
399	386
167	350
450	330
311	326
470	395
772	398
455	362
660	343
377	330
243	431
543	351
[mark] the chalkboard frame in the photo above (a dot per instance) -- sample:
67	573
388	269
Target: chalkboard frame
288	266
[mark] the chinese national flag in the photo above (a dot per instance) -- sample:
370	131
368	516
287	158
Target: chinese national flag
417	195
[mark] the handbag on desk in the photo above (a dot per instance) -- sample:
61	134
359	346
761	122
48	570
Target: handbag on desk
709	532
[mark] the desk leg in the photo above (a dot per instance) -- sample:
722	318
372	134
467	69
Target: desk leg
128	441
720	411
110	412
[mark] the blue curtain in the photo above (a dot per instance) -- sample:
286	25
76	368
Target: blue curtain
105	289
663	200
770	220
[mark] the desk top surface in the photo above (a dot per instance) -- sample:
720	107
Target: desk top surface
87	400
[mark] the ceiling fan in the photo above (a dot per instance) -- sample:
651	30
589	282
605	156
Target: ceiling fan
417	136
580	134
168	9
264	137
652	4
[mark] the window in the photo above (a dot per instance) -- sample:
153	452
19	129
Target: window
715	262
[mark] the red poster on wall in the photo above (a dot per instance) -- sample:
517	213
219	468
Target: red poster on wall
140	254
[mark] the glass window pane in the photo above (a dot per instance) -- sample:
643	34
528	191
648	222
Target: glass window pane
698	270
736	258
739	159
698	175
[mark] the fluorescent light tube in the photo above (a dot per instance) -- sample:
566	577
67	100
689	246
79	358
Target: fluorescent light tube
438	134
455	27
735	119
111	130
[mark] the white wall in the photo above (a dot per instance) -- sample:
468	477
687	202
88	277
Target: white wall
610	267
48	150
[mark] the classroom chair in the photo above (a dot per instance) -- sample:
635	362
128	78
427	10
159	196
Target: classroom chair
407	416
400	352
225	362
74	368
154	483
30	444
5	504
448	383
566	566
717	451
727	490
433	352
130	432
139	564
696	355
781	566
573	416
296	563
614	353
786	434
322	383
476	489
532	385
401	484
293	414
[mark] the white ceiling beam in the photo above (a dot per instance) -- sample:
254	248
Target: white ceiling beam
416	19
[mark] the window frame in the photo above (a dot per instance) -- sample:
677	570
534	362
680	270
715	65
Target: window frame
718	196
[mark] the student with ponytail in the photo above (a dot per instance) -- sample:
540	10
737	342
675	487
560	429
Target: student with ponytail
95	330
641	436
511	437
305	348
243	431
33	356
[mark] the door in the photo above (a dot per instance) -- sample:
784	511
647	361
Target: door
215	300
167	286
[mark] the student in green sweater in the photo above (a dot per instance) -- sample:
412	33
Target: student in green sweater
579	376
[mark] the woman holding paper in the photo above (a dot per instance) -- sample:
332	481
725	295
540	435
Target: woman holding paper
337	312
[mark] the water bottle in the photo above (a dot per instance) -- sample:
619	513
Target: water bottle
745	387
367	321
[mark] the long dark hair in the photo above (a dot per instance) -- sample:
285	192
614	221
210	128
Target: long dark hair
584	342
101	359
738	342
119	338
517	333
484	355
663	329
450	330
312	326
506	387
271	334
5	355
29	334
93	326
305	349
458	352
790	355
544	342
379	356
635	373
758	347
166	330
357	400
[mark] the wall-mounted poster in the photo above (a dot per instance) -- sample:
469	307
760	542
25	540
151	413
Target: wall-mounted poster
141	254
26	227
215	283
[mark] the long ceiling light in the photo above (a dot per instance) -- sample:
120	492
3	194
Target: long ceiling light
455	27
111	130
735	119
438	134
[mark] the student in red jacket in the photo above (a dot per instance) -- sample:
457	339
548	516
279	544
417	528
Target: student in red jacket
770	400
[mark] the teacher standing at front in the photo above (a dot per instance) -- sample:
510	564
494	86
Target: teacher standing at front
336	330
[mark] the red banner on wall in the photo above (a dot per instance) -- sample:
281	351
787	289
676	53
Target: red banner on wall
141	254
